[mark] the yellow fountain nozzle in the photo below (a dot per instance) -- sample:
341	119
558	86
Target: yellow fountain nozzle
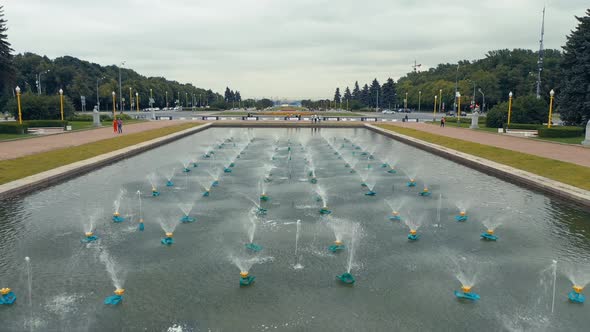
4	291
425	190
88	234
169	234
154	189
578	289
462	213
412	180
338	243
466	289
395	213
119	291
490	231
244	274
116	213
413	231
141	220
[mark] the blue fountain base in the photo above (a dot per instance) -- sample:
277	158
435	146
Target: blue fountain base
195	165
576	297
392	171
268	179
89	239
167	241
313	181
370	193
247	281
339	158
118	219
384	165
206	194
357	147
346	278
155	193
211	152
347	166
253	246
7	299
425	194
261	211
325	211
461	218
215	183
227	170
413	237
395	218
411	184
186	170
336	247
364	185
264	198
467	296
364	154
488	237
113	299
187	219
232	165
206	156
169	184
141	227
352	171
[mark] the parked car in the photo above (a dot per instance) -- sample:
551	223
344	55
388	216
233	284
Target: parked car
387	112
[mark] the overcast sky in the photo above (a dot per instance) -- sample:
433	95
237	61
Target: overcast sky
282	48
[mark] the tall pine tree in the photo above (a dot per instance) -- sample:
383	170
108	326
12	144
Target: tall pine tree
374	92
337	96
356	92
365	96
388	94
574	97
6	68
347	95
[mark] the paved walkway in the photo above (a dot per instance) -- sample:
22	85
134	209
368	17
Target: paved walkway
23	147
570	153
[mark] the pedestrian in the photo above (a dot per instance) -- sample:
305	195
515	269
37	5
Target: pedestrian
406	118
442	121
120	125
115	126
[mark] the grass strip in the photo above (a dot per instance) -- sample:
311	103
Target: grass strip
18	168
572	174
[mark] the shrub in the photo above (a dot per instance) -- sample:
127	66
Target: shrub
561	132
13	128
45	123
497	116
40	107
81	117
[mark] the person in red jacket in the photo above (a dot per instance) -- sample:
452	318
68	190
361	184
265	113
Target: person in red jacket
115	125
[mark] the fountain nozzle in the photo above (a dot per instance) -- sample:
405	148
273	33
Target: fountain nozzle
169	234
578	289
4	291
88	234
244	274
119	291
466	289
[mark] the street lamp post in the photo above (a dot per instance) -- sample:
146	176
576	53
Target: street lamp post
20	114
552	94
97	96
151	98
406	103
130	99
186	99
137	101
434	114
483	102
39	90
114	106
120	89
440	101
509	107
419	100
458	114
166	99
61	102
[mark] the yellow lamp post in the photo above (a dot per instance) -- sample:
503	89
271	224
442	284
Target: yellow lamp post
458	96
114	105
406	103
61	102
440	100
552	94
137	101
509	107
434	114
20	115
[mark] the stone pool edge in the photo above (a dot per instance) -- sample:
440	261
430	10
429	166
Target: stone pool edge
511	174
60	174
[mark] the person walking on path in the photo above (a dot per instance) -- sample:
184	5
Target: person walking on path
442	121
120	125
115	125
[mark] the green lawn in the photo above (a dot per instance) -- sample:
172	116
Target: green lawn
466	124
575	175
78	125
568	140
4	137
19	168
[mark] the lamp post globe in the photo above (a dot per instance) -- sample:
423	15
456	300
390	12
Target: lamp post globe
17	89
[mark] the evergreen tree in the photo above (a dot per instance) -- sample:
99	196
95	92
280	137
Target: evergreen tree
356	92
347	95
337	96
365	98
374	92
388	94
227	95
6	69
574	97
237	96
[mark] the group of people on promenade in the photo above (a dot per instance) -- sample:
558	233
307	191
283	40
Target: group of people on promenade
118	126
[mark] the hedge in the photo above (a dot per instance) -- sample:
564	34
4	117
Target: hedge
45	123
561	132
13	128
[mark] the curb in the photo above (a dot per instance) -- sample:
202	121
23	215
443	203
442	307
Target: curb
511	174
60	174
